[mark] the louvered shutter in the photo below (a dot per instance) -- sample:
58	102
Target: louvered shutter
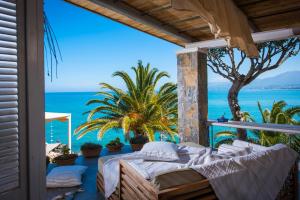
9	132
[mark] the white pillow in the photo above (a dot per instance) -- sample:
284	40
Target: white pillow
160	151
65	176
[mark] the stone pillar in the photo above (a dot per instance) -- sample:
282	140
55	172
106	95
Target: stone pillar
192	96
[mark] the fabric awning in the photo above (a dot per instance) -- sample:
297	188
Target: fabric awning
225	20
50	116
62	117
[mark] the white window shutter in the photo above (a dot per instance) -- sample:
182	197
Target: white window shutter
9	133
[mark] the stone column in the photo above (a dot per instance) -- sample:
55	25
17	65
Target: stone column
192	96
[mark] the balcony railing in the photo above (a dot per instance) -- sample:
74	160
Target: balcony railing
289	130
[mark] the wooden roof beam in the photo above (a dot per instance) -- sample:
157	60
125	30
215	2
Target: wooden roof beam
251	24
185	20
257	37
202	27
253	27
140	17
159	8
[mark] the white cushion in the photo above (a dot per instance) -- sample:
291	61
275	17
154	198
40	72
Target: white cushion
255	147
65	176
160	151
227	148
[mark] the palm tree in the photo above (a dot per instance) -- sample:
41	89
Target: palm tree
141	109
227	137
279	114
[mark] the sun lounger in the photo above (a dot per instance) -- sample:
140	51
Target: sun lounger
175	184
182	184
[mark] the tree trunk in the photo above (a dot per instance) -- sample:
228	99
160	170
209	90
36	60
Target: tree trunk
235	107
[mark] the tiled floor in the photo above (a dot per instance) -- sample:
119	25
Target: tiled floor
88	179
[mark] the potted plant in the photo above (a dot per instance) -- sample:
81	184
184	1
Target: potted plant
66	158
90	150
138	142
114	145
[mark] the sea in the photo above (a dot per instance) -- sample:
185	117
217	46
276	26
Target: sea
75	103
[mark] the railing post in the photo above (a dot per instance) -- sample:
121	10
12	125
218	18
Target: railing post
192	96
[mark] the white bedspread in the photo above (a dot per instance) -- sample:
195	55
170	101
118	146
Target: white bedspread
147	169
111	171
259	175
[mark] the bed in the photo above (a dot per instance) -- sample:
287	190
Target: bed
176	184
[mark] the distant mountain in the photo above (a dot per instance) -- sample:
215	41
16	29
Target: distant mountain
287	80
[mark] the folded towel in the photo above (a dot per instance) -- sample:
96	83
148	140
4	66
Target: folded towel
65	176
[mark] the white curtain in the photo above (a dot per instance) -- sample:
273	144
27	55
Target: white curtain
225	20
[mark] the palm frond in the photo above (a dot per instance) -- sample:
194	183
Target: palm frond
292	111
261	112
109	125
226	134
279	114
52	49
149	132
126	122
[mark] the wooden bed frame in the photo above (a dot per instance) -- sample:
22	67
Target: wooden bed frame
132	186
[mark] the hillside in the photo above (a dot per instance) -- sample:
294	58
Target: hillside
287	80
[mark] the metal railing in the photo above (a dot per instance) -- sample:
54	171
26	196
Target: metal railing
289	130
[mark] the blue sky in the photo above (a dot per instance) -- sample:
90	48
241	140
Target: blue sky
93	47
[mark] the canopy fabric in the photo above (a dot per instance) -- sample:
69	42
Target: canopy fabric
225	20
50	116
62	117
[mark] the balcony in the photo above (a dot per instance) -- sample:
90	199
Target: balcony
89	178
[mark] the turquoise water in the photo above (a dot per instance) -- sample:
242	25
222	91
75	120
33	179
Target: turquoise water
74	103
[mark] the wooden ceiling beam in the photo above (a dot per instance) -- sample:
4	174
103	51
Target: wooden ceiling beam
185	20
252	25
279	21
159	8
138	16
246	2
198	28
